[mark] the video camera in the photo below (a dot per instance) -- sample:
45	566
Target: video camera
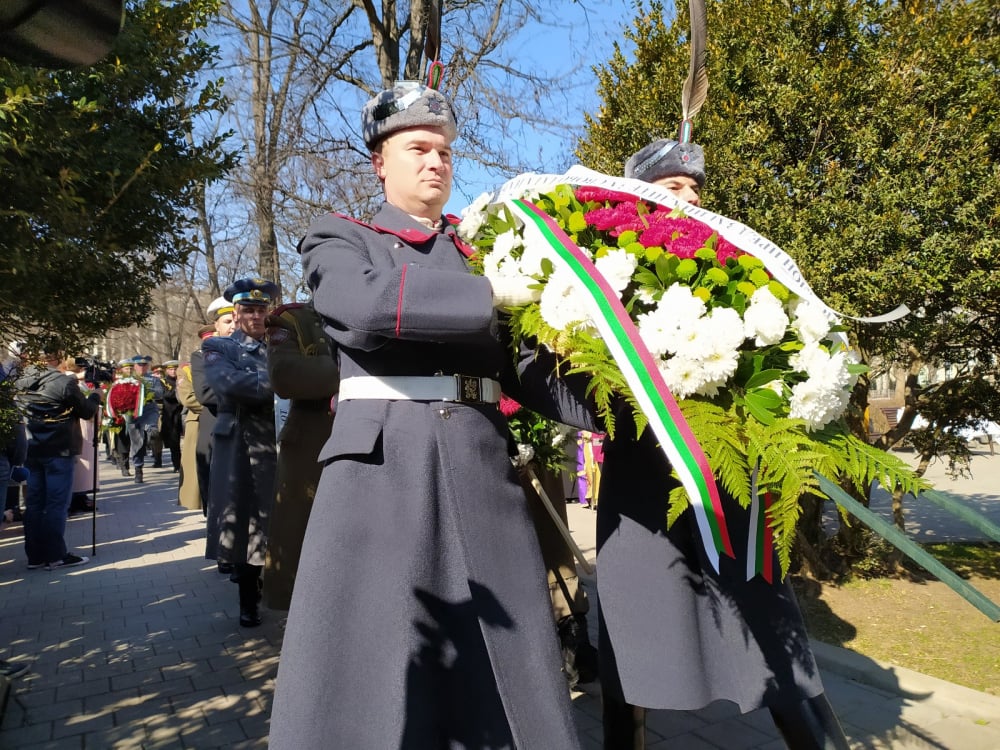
94	371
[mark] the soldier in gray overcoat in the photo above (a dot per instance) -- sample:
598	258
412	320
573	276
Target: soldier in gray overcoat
674	633
244	454
420	616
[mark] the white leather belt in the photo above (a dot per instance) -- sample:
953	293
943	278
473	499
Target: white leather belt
461	388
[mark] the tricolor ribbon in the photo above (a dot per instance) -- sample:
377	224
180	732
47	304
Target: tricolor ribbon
643	378
760	542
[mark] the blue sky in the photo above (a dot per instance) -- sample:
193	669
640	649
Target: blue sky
588	38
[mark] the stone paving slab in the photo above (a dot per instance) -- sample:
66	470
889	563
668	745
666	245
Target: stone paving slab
140	648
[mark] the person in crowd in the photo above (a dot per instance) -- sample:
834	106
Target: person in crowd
86	475
302	366
10	367
144	427
220	310
155	445
171	419
674	633
188	492
420	609
52	403
14	361
119	439
13	453
244	453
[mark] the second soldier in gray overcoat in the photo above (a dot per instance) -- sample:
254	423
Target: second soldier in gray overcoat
244	454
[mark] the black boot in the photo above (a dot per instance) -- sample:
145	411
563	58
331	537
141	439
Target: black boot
579	656
249	584
810	725
138	475
125	471
624	725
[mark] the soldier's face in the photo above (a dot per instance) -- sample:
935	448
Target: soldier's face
683	187
415	168
225	325
250	319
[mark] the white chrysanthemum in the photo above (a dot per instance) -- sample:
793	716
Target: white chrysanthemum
500	266
674	323
532	255
809	321
681	301
829	370
656	328
684	377
725	328
617	268
815	403
825	393
506	243
645	295
473	217
524	454
765	319
714	336
562	305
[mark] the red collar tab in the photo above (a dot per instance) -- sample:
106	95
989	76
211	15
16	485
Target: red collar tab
413	236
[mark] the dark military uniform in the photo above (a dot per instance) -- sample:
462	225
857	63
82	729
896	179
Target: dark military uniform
243	454
171	421
676	633
420	616
302	367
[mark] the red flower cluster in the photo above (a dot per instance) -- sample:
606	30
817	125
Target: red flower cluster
655	226
508	406
123	398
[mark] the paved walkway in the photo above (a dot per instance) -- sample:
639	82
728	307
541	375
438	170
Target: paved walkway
140	649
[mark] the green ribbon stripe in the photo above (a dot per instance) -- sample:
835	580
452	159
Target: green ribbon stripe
624	337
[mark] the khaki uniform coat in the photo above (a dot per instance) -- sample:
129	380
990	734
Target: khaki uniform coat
302	367
188	493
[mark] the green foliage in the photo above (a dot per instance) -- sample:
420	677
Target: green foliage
545	438
786	458
863	137
9	413
100	168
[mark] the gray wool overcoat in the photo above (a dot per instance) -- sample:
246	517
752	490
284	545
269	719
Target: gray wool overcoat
244	452
420	617
675	633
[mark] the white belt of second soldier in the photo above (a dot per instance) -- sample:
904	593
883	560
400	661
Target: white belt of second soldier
460	388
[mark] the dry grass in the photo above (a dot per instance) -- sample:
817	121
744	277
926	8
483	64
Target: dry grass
918	624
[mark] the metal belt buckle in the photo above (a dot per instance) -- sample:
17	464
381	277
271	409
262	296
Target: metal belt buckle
470	389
